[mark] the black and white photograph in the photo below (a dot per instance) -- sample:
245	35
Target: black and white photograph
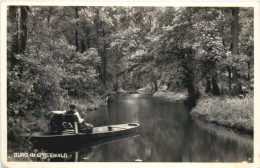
120	83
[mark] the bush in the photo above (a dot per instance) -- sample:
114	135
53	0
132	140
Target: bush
171	95
231	112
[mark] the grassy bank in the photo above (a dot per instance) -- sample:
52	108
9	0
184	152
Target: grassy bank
174	96
230	112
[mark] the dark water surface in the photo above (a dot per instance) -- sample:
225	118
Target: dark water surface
167	134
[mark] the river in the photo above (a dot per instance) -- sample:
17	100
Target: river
167	134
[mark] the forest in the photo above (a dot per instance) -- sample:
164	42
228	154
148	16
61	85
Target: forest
64	54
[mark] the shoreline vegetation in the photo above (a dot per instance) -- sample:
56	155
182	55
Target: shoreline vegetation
231	112
172	96
178	96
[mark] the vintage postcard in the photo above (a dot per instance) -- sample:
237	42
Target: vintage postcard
112	83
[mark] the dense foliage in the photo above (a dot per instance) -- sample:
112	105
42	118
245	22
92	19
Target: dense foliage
59	54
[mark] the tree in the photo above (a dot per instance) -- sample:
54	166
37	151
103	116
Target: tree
237	89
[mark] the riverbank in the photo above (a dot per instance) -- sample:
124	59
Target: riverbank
229	112
164	93
145	90
173	96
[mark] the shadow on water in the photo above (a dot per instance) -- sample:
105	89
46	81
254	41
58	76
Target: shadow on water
227	134
85	152
80	146
230	136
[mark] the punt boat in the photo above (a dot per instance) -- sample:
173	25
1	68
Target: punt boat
70	137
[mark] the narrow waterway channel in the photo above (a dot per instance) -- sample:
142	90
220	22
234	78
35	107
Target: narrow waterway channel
167	134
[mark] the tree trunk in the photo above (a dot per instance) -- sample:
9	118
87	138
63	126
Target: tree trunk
117	83
18	31
248	73
49	28
13	18
83	47
87	40
187	64
168	86
208	85
229	80
23	29
76	30
155	86
215	88
96	22
237	89
104	57
16	35
224	55
234	31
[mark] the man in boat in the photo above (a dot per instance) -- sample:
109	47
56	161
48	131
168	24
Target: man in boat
83	127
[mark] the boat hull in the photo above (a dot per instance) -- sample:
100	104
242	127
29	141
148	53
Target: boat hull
69	138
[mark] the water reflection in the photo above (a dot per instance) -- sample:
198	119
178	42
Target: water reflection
233	142
86	152
167	134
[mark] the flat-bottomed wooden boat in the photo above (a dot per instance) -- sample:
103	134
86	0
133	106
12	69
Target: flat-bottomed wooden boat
69	137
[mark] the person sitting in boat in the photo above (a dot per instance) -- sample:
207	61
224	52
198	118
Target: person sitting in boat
83	127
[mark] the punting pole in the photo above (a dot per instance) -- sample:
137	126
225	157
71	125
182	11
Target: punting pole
76	129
